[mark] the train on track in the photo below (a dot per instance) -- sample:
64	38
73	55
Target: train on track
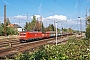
31	36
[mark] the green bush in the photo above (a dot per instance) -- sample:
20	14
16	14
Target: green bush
11	31
1	30
23	56
73	50
88	32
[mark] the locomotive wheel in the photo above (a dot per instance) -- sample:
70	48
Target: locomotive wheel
22	41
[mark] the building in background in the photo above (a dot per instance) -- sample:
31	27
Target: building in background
16	26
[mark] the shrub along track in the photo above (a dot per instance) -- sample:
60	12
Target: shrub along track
22	47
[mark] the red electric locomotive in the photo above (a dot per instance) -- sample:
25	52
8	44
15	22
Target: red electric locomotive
26	36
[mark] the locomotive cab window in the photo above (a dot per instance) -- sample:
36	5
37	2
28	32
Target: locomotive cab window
22	34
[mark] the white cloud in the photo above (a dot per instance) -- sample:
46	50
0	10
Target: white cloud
72	21
37	16
20	17
57	17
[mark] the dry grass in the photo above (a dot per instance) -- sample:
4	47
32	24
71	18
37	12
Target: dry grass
10	37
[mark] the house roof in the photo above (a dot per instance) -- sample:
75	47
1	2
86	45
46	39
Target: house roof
14	25
10	25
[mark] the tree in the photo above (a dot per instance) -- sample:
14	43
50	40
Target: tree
33	22
64	30
43	28
69	30
50	27
37	26
1	29
27	26
58	30
34	25
88	27
7	21
88	31
88	20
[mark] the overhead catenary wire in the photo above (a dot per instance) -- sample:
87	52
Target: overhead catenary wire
32	4
78	12
16	10
46	8
13	8
41	7
79	7
64	6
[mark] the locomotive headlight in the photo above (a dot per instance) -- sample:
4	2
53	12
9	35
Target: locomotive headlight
22	36
35	34
42	34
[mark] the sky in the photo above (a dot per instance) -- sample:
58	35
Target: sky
65	12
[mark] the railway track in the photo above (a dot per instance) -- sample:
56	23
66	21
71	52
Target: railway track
21	47
7	43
